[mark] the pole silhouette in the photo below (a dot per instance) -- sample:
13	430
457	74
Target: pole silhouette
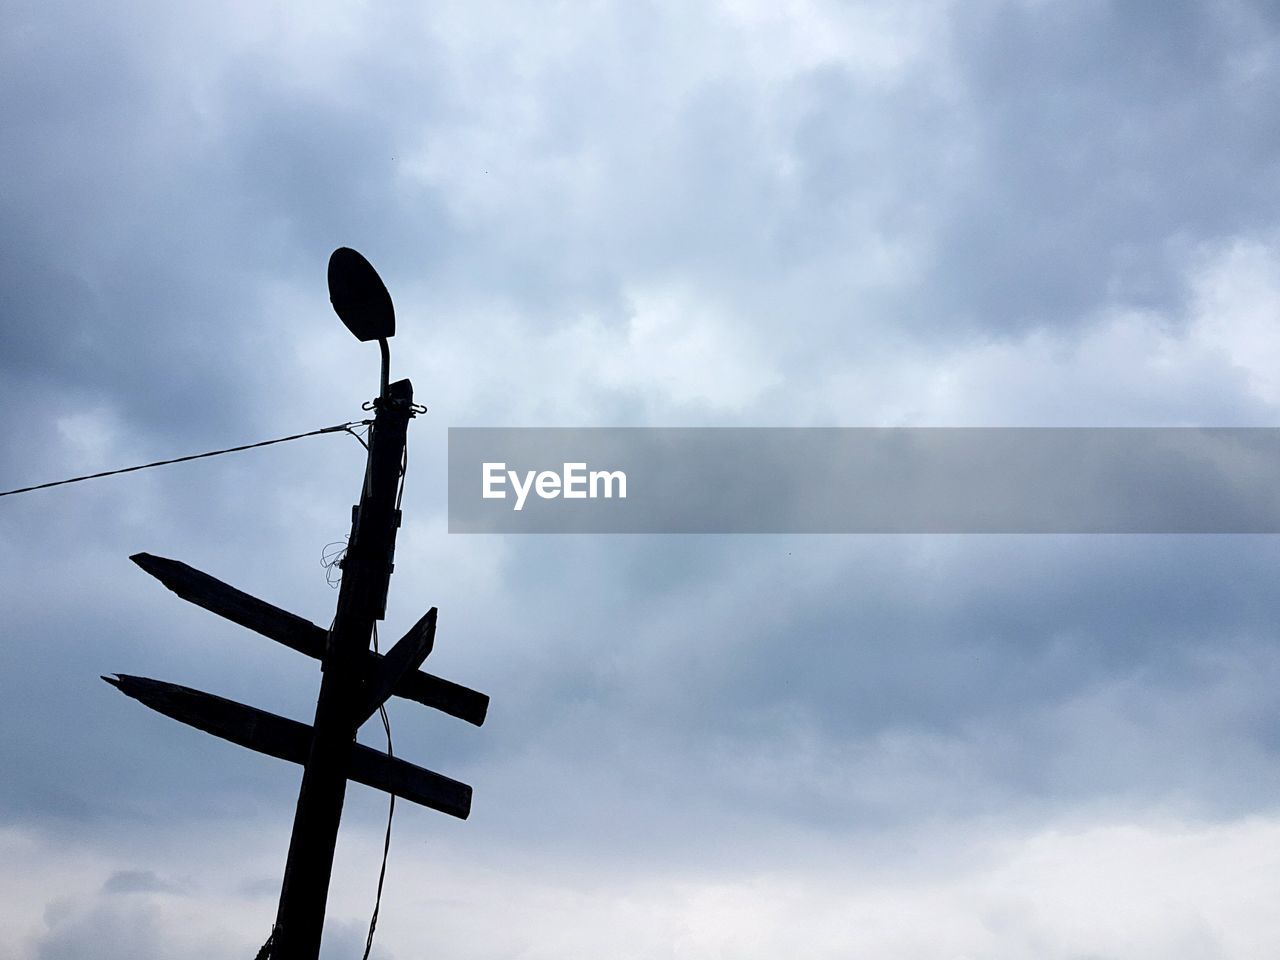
355	681
366	574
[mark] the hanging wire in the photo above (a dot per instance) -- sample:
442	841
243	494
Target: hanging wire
404	469
363	440
391	812
195	456
333	553
331	558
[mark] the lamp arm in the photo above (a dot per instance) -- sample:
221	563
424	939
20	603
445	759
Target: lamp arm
386	364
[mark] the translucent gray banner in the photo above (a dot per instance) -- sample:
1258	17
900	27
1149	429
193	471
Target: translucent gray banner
864	480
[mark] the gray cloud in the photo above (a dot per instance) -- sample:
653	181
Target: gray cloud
652	216
138	881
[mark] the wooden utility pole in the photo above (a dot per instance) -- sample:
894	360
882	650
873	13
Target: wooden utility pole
366	573
355	680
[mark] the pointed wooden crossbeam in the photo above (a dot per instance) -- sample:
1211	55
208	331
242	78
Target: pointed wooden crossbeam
305	637
290	740
401	660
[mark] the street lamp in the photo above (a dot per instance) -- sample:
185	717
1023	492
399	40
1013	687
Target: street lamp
361	301
354	681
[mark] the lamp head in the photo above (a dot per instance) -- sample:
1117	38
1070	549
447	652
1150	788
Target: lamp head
359	296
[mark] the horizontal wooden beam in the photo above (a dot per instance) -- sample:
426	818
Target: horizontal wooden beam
304	636
290	740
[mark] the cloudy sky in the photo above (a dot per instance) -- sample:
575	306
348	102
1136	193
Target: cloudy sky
925	213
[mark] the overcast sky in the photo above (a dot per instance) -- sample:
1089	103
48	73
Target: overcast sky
982	213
